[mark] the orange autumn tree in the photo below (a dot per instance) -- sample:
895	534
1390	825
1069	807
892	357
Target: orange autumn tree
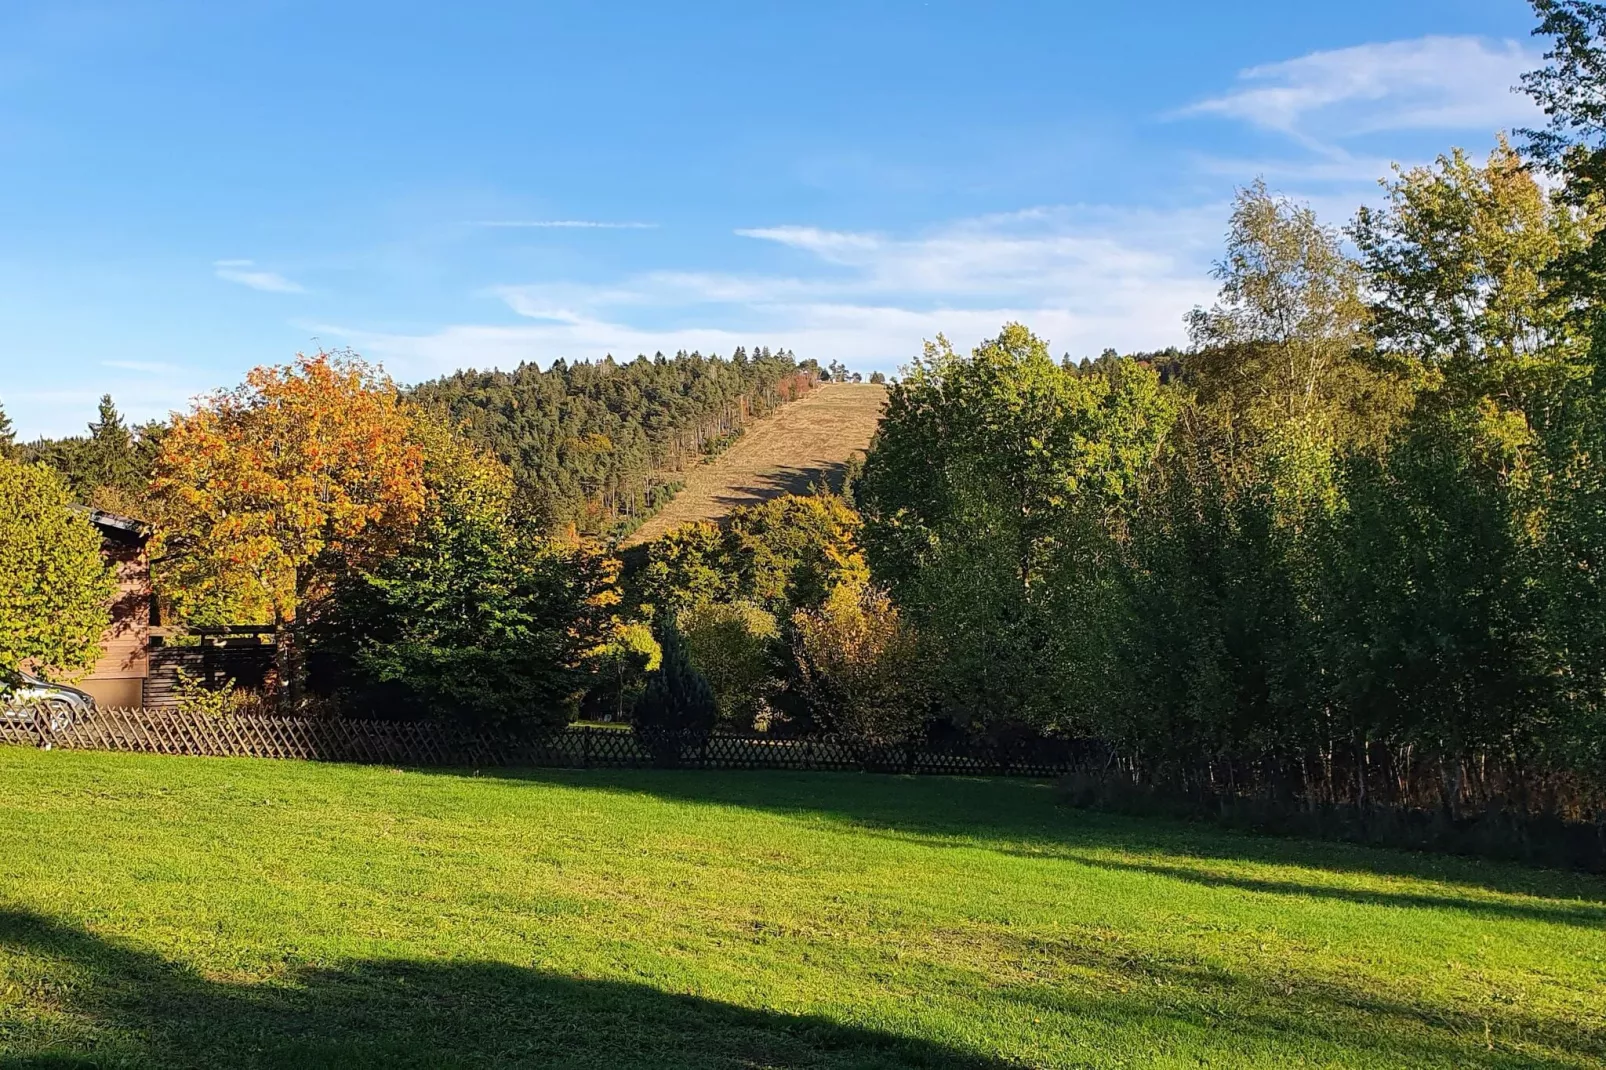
300	472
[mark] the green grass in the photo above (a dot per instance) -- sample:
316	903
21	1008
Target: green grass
242	913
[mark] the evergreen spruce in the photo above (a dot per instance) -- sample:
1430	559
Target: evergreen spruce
8	437
677	703
109	458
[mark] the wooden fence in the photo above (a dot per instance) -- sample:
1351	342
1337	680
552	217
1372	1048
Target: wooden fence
430	743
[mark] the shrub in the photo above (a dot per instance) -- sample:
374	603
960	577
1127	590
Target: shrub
730	644
193	696
859	668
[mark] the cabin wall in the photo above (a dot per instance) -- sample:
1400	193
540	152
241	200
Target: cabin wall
118	678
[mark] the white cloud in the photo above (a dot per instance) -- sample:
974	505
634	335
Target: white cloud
830	244
561	224
244	272
1428	83
1085	278
149	367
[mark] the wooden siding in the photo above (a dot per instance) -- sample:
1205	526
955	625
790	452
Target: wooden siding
125	650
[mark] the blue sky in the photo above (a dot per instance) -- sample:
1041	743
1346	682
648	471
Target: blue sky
187	190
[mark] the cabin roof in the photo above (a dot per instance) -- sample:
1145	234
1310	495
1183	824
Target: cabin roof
123	529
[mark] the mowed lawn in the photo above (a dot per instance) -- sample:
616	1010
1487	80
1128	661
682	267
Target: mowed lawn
202	912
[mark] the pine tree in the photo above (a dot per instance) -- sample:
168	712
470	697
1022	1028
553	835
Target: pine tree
109	459
677	704
8	437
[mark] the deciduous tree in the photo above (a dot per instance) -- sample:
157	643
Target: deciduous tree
987	470
55	588
301	472
860	666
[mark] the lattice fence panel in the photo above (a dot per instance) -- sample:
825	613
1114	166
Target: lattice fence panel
169	730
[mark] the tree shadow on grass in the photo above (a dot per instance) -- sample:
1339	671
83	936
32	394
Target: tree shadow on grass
785	479
1563	912
127	1007
1025	818
105	1004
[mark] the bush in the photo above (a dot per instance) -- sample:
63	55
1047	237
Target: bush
859	669
191	695
730	644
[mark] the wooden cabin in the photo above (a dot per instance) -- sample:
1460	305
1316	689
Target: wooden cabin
118	678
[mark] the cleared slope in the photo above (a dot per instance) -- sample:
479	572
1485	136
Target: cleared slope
808	441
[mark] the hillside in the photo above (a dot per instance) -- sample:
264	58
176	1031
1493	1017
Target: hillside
592	443
805	442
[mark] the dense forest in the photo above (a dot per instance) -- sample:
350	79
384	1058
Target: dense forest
597	444
1349	550
592	446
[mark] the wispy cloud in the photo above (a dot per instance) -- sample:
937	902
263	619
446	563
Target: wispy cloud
245	273
833	245
560	224
1427	83
68	410
148	367
1085	278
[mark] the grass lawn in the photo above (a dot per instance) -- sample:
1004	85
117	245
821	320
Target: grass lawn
170	911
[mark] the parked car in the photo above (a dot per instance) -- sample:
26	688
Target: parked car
25	696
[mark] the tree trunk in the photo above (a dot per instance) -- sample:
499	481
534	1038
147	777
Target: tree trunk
282	663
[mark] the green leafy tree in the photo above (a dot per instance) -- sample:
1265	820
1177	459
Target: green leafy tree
686	566
1461	264
1216	647
990	476
1465	508
621	666
55	588
1571	88
782	554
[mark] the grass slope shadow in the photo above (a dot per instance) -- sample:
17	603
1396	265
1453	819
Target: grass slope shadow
130	1008
1025	818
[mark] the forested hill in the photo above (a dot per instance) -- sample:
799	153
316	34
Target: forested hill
597	444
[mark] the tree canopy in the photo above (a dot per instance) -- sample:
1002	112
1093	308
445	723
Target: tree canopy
55	588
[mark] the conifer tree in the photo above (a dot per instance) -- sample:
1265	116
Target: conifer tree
8	437
109	459
677	702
